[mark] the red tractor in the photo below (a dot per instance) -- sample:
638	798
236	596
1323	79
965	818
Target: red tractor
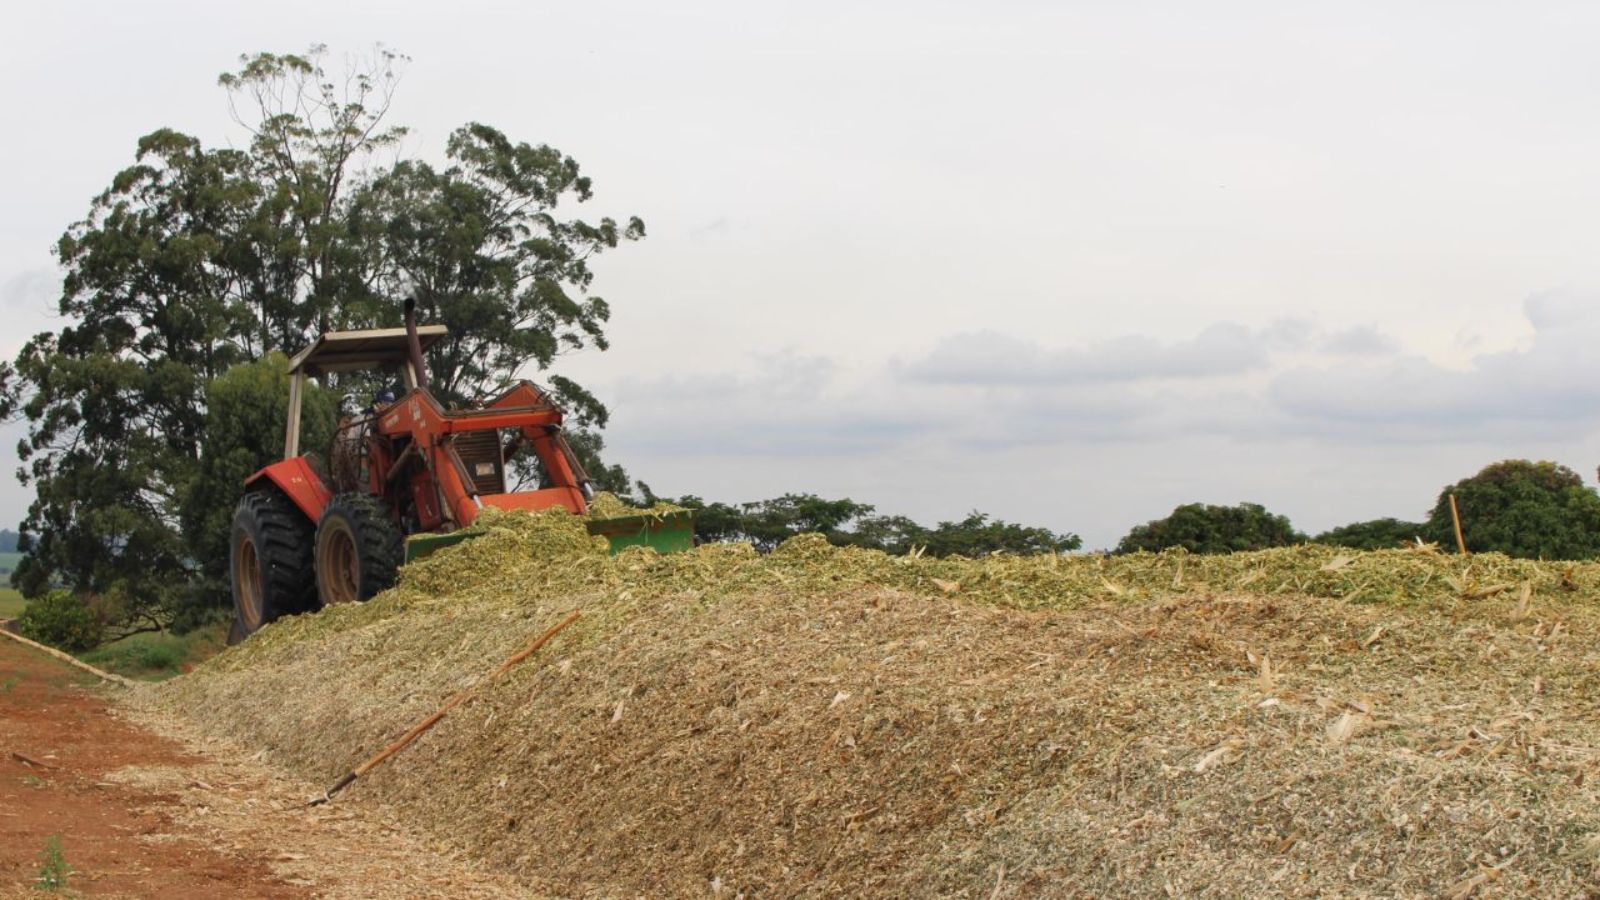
404	478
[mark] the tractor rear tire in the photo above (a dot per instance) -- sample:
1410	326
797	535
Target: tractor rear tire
358	549
269	559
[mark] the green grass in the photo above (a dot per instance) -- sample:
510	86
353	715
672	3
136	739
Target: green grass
153	656
158	656
11	603
53	867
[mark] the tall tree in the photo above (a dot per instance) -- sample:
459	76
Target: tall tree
311	136
980	535
115	400
243	404
197	260
1535	510
483	249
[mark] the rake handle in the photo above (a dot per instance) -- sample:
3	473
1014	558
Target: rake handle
461	697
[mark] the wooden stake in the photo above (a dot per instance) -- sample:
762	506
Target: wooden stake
1455	515
432	720
68	658
30	761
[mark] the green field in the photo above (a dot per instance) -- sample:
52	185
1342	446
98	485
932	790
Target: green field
11	603
153	656
158	656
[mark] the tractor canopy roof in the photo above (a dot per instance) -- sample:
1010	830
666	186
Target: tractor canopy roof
378	348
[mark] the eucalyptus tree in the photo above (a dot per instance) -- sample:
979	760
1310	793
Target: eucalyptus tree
1519	507
197	259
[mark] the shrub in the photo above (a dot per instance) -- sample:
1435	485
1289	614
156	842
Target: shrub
1377	534
1200	528
140	656
1533	510
53	867
61	619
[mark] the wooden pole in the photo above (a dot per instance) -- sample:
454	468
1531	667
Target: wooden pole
416	730
1455	516
68	658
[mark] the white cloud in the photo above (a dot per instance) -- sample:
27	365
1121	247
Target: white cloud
1550	389
991	358
988	391
1364	340
29	290
792	405
1327	426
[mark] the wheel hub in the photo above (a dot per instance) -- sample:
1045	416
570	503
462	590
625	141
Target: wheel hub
338	564
247	578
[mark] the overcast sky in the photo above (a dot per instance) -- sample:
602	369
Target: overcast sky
1071	264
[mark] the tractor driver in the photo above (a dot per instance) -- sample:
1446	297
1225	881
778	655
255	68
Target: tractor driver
380	402
349	445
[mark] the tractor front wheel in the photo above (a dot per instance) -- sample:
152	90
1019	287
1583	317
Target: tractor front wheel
358	549
269	561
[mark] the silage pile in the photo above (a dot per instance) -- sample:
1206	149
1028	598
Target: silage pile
839	722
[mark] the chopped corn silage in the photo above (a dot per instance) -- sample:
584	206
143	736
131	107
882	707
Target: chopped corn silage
1304	721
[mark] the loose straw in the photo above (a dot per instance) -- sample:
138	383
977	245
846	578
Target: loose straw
432	720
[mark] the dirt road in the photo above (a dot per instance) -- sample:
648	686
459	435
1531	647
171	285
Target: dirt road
142	814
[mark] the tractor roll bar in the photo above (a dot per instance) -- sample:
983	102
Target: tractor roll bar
414	344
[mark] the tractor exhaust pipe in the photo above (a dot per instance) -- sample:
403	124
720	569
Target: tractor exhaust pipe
418	368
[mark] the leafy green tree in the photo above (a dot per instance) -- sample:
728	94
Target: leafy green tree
768	523
196	260
979	535
1377	534
115	400
1534	510
481	246
61	619
895	535
1203	528
305	270
249	401
113	438
713	522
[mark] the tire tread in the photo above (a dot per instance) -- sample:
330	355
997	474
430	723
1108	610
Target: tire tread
380	546
282	535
